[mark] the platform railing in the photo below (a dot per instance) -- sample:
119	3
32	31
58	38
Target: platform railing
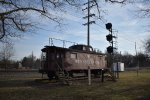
60	42
64	44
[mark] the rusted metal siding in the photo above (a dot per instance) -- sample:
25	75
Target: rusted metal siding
83	60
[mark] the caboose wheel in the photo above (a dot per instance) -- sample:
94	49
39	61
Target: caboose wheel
56	75
50	75
71	74
97	73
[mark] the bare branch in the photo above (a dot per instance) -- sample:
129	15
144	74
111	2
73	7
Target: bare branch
43	5
8	3
144	12
116	1
72	2
3	28
18	25
22	9
97	9
55	3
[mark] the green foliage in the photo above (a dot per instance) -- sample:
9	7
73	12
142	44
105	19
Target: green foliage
31	62
37	63
131	60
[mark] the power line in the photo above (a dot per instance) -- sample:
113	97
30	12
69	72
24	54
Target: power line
131	41
100	26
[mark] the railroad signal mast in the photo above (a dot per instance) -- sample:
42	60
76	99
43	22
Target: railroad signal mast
89	4
113	46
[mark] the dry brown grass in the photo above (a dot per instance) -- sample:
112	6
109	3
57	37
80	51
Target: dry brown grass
29	86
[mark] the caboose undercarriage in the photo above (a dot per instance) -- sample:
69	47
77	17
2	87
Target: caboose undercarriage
71	74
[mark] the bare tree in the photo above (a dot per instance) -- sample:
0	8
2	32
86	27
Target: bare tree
7	51
143	11
15	14
143	8
147	46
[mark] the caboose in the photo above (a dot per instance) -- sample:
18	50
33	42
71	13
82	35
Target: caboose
74	59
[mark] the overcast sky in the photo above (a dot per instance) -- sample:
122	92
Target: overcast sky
126	25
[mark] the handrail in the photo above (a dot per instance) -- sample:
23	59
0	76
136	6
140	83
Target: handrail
51	42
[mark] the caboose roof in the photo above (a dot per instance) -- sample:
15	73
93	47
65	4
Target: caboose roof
52	48
75	48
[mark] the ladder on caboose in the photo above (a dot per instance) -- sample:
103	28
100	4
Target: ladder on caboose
63	75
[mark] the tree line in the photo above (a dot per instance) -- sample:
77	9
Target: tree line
27	62
31	62
129	60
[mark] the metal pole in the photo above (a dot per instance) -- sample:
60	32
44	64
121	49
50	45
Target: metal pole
112	54
49	42
63	43
88	26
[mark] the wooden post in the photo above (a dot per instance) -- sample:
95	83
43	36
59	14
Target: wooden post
102	73
137	67
42	74
89	76
117	70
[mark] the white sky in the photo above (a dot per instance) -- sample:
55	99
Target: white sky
130	29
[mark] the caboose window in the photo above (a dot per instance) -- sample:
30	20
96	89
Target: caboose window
90	49
58	56
84	48
73	55
43	56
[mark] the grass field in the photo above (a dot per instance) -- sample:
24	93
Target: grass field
29	86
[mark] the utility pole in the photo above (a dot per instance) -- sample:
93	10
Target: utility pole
89	4
88	29
88	19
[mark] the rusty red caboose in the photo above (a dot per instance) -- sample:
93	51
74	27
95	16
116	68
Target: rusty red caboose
75	59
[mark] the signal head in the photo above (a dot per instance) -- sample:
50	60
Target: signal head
109	37
110	49
108	26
